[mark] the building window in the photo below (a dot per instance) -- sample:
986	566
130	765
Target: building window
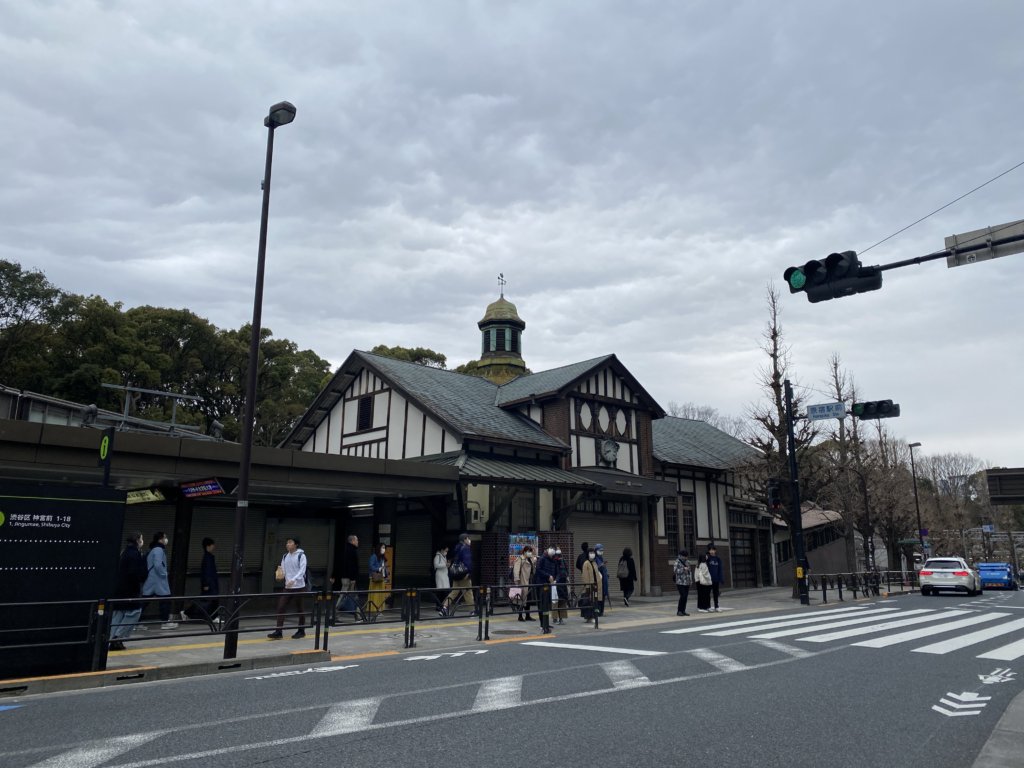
688	508
499	343
365	418
514	339
485	341
671	522
513	508
783	551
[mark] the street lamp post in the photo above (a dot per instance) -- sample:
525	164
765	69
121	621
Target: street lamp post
280	114
917	504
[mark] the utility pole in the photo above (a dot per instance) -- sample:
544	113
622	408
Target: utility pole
796	514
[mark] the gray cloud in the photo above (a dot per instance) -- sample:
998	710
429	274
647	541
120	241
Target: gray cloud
639	172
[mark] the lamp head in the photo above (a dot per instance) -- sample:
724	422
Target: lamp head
280	114
914	445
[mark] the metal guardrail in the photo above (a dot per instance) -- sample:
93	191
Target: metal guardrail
867	583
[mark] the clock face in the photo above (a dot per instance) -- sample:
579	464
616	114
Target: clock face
609	451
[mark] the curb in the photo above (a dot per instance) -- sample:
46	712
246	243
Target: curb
29	686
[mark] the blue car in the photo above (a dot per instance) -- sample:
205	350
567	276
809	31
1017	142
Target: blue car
997	576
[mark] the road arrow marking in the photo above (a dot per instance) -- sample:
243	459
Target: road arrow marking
435	656
998	676
949	703
968	696
947	713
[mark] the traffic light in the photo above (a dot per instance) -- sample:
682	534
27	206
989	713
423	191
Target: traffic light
774	499
876	409
841	274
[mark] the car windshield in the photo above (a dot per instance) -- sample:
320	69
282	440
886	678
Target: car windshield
944	564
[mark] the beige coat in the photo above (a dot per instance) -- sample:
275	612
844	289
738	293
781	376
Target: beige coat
522	571
591	578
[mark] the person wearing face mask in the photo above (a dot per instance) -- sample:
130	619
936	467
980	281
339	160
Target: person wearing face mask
590	582
293	572
562	583
602	568
157	583
522	574
378	580
544	578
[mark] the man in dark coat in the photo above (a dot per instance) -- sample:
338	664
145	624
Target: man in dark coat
131	573
347	573
581	558
544	577
717	573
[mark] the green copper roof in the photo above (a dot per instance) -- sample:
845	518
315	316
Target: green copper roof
502	310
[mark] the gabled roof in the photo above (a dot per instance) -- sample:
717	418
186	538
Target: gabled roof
558	381
465	404
695	443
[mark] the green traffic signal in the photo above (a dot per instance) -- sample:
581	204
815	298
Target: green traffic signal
797	279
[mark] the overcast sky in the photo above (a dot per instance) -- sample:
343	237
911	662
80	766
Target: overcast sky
640	172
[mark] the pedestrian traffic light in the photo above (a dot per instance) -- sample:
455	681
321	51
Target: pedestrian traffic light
876	409
840	274
774	498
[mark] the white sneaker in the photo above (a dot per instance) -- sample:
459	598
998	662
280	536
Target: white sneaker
716	610
169	625
184	616
703	610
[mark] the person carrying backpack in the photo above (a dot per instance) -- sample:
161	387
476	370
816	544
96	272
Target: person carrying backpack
293	572
626	574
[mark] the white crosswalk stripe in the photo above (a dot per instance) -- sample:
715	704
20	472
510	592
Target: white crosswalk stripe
833	625
825	615
845	623
718	660
624	674
938	629
795	622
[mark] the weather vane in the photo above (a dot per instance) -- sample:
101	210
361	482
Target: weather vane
501	283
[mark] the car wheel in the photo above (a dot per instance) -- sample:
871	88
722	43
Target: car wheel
925	591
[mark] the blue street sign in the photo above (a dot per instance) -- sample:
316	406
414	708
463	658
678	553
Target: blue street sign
826	411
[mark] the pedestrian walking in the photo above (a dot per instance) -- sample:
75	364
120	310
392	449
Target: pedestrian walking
562	584
209	586
717	571
461	574
346	574
590	582
683	577
522	577
379	576
157	584
626	574
131	573
544	578
703	578
602	568
581	558
292	571
441	580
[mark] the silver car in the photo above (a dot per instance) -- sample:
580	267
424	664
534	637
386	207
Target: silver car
949	574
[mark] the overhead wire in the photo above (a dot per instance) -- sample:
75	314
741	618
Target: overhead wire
951	202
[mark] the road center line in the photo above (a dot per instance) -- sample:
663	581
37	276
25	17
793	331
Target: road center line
347	717
503	693
624	674
97	752
601	648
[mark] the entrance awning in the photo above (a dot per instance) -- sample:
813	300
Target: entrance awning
487	470
617	481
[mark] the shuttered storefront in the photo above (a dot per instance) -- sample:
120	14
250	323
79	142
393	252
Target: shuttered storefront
315	539
615	533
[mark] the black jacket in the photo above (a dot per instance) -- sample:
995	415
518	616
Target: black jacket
348	567
131	573
208	575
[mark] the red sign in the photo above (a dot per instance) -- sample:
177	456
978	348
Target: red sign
199	488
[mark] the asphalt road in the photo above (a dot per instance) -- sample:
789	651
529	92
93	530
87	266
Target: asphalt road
791	688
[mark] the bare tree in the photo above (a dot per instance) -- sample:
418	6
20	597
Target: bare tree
732	425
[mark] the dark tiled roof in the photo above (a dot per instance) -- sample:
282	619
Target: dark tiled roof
466	403
697	444
546	382
484	468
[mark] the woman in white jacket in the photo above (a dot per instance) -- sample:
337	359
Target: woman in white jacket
293	568
441	580
703	578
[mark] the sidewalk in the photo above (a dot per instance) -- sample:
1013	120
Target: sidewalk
154	655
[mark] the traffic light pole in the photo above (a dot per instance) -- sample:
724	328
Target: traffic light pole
796	514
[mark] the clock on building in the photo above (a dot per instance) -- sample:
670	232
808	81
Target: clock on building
608	451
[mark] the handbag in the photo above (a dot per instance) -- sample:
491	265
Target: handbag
458	570
279	573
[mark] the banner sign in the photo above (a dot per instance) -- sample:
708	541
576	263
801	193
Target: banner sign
200	488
